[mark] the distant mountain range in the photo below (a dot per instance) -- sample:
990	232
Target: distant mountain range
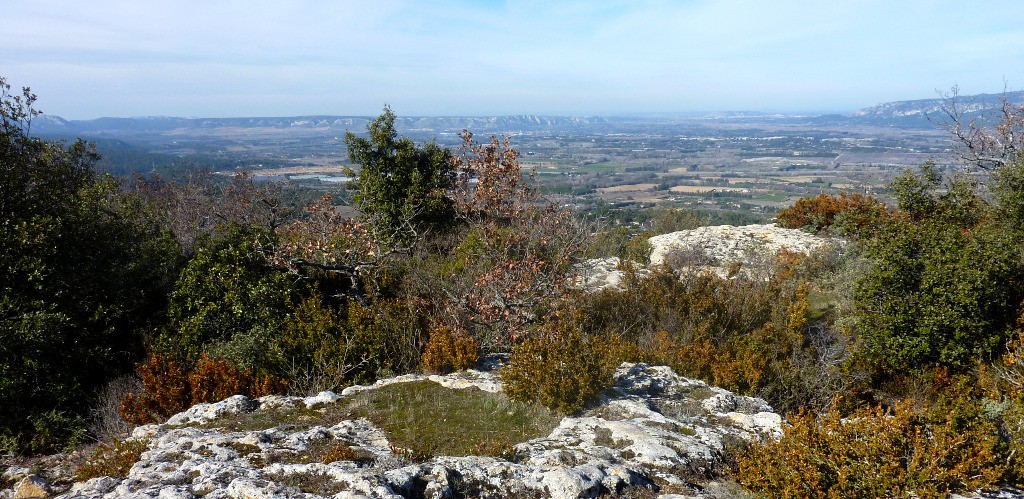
161	124
935	108
909	113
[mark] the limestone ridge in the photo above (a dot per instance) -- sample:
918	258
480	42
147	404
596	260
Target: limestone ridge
970	104
654	428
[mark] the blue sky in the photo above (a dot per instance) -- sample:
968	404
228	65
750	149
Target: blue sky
215	58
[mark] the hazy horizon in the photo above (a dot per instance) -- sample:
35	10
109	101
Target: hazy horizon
463	58
656	114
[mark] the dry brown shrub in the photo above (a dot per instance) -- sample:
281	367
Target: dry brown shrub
500	447
856	212
212	380
165	391
111	460
337	451
106	423
168	389
514	262
880	453
448	351
696	356
787	263
740	335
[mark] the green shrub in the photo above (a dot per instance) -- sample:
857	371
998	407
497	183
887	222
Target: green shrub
323	347
608	241
665	220
310	349
1009	192
227	298
400	187
563	370
939	294
51	431
637	249
384	338
84	269
771	338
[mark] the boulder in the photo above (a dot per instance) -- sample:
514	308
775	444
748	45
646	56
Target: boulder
32	487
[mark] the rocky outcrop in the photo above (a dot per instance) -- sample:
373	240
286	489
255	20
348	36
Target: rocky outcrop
725	250
653	429
723	245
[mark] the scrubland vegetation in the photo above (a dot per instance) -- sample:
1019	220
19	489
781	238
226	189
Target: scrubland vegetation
898	352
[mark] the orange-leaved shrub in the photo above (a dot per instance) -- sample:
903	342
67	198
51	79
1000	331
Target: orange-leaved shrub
850	213
876	452
449	351
168	388
756	362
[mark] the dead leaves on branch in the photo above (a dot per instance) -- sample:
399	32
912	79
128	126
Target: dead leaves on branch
328	242
523	245
489	180
199	205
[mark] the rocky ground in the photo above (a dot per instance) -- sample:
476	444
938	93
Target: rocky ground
655	434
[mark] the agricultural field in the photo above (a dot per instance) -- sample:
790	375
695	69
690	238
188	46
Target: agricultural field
756	165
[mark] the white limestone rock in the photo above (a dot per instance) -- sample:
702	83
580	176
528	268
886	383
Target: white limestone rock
604	273
705	249
717	247
95	487
325	397
470	378
652	427
16	473
201	413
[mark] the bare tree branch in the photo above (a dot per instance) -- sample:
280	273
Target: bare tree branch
985	141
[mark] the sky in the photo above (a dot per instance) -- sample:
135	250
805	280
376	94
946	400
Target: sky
227	58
